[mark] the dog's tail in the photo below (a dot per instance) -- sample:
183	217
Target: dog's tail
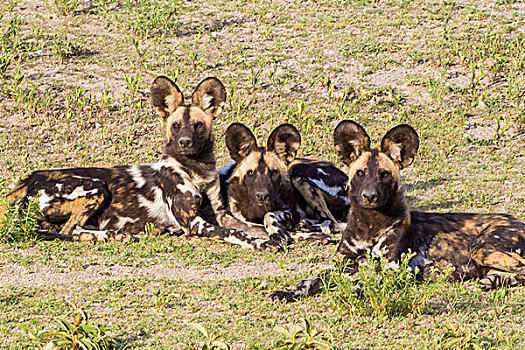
16	195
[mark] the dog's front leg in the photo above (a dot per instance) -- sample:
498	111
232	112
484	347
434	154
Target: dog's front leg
201	228
280	225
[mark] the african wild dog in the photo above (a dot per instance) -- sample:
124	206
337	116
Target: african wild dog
258	189
490	247
101	203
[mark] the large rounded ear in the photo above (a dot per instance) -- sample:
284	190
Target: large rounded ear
401	144
166	96
350	141
210	96
239	141
284	141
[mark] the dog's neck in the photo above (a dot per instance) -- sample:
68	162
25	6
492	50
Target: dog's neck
202	164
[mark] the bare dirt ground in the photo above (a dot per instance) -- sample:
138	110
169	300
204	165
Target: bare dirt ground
12	275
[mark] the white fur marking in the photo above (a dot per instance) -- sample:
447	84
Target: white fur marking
122	221
170	102
235	240
103	224
330	190
158	208
100	236
345	242
377	247
362	245
80	192
321	171
206	101
188	187
43	200
136	175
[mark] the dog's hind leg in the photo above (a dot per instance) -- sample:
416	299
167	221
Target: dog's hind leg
74	197
82	234
317	202
504	269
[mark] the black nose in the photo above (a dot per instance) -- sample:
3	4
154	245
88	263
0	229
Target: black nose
185	142
370	197
262	196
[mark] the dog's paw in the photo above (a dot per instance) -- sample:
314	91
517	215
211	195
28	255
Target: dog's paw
282	296
123	236
282	236
270	246
321	238
496	280
488	283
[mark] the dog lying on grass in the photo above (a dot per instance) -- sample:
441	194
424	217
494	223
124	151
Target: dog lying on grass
268	185
102	203
489	247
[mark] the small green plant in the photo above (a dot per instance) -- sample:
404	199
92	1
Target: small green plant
278	81
66	7
299	338
65	48
141	52
82	334
5	62
149	229
383	290
213	341
20	222
9	36
456	338
256	69
194	55
327	82
12	4
133	83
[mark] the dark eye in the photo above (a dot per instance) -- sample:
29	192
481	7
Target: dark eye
385	174
199	124
249	172
175	125
274	172
360	173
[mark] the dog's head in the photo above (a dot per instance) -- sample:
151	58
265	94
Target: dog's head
189	127
374	174
260	171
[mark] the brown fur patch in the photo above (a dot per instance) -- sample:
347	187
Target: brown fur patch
195	114
251	162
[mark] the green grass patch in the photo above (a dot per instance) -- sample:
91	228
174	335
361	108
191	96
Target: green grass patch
20	222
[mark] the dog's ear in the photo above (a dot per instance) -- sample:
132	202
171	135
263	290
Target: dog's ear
401	144
239	141
284	141
166	96
210	96
350	141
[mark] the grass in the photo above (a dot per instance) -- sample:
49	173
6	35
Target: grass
20	223
381	290
74	83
